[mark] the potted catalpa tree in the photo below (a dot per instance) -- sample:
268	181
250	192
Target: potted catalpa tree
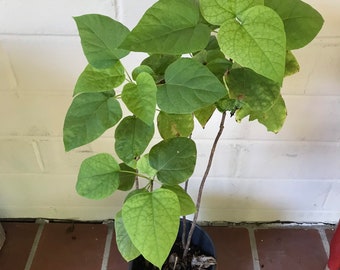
203	57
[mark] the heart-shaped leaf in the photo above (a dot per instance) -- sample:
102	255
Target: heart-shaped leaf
174	159
98	177
302	22
189	86
152	220
169	27
88	117
140	98
256	39
175	125
132	136
100	38
100	80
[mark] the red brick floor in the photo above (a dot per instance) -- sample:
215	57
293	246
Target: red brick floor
85	246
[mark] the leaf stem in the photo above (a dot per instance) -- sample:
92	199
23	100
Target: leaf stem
137	175
204	178
129	79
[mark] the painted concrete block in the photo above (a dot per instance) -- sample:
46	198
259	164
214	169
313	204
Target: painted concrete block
57	198
332	202
47	16
266	194
310	118
131	11
224	163
319	59
232	129
33	115
257	199
289	160
45	64
57	161
7	77
17	156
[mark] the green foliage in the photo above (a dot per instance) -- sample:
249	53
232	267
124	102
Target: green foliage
292	65
204	57
98	177
248	87
88	117
100	38
175	125
174	159
131	138
151	220
100	80
124	243
140	98
127	177
169	27
186	203
189	86
302	22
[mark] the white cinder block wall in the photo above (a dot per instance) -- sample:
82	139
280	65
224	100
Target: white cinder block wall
257	176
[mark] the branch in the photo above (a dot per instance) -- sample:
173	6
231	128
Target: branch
204	178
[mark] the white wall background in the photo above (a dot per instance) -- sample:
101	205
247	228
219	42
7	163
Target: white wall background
257	176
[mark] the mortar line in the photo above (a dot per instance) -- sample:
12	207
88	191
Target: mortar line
35	245
107	248
324	240
38	156
253	246
118	9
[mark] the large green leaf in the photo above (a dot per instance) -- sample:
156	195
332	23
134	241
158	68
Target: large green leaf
88	117
218	12
99	80
302	22
169	27
258	92
98	177
273	118
124	244
189	86
132	136
175	125
152	221
174	159
140	98
256	39
100	38
186	203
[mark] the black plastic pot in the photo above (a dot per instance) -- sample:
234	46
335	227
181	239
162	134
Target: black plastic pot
200	239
